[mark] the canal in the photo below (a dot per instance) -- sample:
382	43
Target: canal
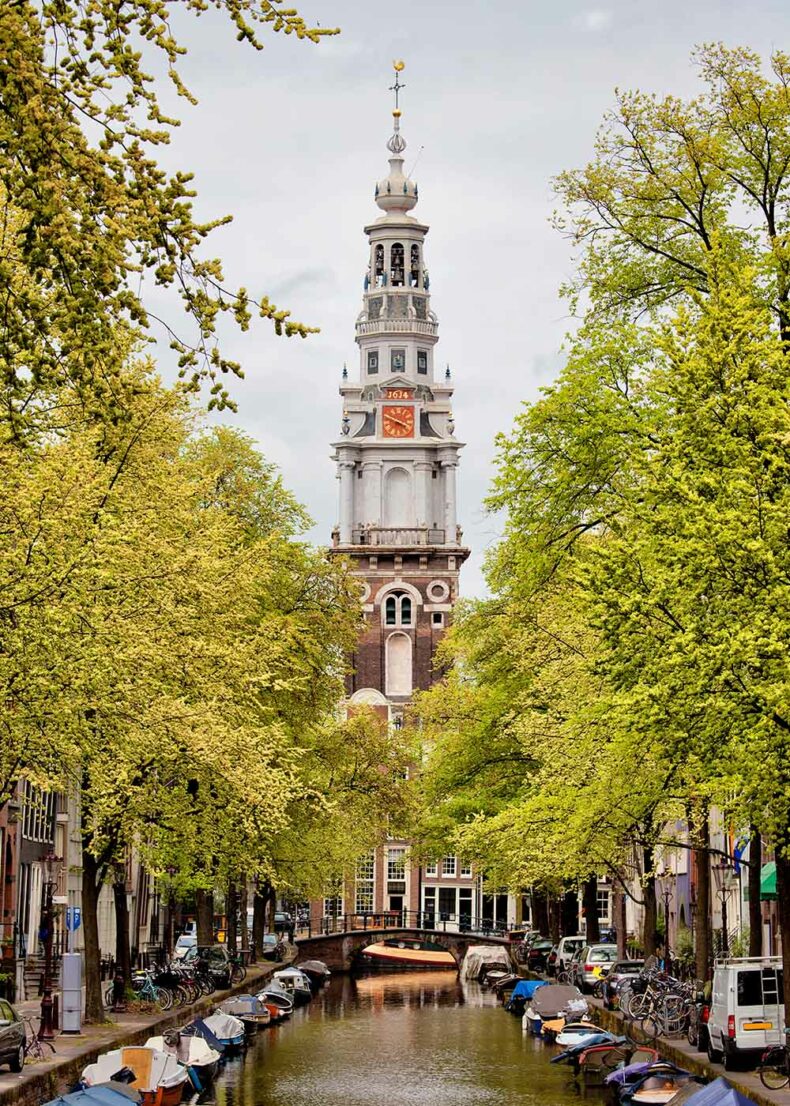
407	1039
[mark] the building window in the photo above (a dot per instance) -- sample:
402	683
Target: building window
398	610
466	869
366	866
396	265
396	863
465	907
432	869
448	866
398	360
422	361
379	266
603	905
437	618
373	361
415	266
333	907
398	665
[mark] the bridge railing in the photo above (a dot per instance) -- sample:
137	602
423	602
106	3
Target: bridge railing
406	919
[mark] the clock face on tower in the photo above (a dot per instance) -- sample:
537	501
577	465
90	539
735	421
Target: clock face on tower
397	422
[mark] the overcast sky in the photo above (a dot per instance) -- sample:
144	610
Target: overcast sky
500	96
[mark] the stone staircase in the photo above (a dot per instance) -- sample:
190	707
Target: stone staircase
34	976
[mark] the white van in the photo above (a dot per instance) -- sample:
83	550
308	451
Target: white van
565	950
747	1009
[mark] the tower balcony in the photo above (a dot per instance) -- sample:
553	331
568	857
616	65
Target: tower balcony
398	326
397	537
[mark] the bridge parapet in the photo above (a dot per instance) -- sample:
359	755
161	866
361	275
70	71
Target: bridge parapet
340	951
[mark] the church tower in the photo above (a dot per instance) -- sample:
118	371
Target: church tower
397	457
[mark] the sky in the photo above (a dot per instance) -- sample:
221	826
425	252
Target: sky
500	96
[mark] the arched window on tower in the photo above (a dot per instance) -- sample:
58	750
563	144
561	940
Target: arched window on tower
398	608
379	266
396	265
415	266
398	665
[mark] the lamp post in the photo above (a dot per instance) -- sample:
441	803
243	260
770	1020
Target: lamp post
46	1030
720	872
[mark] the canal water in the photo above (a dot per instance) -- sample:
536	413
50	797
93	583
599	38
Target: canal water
406	1039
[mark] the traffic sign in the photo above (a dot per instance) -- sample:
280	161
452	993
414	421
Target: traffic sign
73	918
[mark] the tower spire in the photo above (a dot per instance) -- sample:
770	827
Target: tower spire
397	144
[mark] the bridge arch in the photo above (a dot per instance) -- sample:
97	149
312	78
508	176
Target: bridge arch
340	951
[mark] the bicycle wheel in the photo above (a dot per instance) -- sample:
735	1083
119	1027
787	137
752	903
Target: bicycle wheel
652	1025
205	986
692	1027
238	973
773	1072
639	1006
108	996
162	996
597	991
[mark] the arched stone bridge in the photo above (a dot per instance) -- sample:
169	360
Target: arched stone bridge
339	951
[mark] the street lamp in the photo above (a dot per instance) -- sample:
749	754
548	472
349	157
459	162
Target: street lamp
720	872
46	1030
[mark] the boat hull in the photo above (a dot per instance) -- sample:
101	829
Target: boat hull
407	956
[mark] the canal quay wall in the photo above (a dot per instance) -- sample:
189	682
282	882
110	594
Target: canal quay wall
680	1052
44	1080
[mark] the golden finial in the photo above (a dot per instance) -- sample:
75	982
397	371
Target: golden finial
399	66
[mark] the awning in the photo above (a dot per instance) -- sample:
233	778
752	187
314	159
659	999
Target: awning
768	880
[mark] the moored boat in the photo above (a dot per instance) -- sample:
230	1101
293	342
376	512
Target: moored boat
316	971
104	1094
397	953
250	1011
481	959
296	984
228	1029
657	1085
156	1075
197	1055
278	1002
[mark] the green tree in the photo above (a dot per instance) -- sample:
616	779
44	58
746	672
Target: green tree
87	213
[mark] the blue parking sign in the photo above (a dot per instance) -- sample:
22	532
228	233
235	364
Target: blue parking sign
73	918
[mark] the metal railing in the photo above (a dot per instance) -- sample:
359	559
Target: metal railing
434	920
398	326
386	535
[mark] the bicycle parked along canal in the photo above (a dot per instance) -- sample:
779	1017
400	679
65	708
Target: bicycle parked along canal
774	1069
35	1047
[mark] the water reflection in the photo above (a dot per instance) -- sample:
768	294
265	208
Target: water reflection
401	1039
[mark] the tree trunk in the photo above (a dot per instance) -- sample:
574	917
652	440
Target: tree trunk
540	912
258	921
590	904
783	902
123	955
702	935
570	914
204	903
649	934
91	885
230	911
554	918
245	929
755	906
619	918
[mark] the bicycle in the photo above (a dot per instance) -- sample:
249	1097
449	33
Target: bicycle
35	1048
774	1069
238	973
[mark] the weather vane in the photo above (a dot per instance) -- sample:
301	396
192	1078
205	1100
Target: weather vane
398	66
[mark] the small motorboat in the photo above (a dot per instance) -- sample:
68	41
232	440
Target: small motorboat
576	1033
493	977
594	1064
522	993
277	1001
103	1094
657	1085
506	985
157	1075
316	971
296	984
573	1054
251	1012
197	1055
555	1003
227	1028
406	954
481	959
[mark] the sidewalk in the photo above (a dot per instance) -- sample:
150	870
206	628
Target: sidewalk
42	1080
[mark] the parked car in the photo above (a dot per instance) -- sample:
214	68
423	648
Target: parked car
12	1037
566	948
551	961
746	1009
537	954
184	943
587	968
620	972
282	921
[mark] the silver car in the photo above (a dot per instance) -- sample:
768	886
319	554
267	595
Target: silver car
588	963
